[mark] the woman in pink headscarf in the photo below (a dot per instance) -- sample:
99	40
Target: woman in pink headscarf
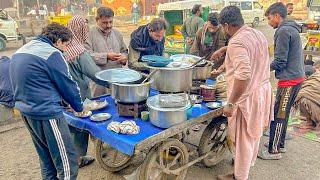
81	68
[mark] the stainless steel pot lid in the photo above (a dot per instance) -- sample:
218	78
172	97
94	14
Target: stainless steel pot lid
172	66
153	103
119	75
188	58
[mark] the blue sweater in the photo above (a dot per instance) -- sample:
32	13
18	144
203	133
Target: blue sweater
40	79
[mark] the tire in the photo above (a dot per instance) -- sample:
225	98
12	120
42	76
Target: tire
149	170
107	165
3	44
255	22
216	131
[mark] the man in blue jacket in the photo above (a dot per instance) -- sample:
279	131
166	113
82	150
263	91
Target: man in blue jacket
40	81
6	95
289	70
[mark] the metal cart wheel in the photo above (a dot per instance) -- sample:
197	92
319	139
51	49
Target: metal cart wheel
163	162
111	159
214	141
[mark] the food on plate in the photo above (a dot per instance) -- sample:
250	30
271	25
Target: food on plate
83	114
94	105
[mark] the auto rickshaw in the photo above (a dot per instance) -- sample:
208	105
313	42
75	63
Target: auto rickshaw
175	13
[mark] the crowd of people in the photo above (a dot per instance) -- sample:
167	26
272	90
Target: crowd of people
57	66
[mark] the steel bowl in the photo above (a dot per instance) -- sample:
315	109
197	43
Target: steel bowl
131	93
165	117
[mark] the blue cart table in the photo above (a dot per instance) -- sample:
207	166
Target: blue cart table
149	135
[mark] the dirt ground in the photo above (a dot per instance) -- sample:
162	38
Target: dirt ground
18	158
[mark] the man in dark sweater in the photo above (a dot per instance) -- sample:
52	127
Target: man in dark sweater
289	70
146	40
40	79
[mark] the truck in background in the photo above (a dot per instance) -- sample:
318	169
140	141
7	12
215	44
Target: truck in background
8	30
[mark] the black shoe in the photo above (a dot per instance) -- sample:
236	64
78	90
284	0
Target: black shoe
85	161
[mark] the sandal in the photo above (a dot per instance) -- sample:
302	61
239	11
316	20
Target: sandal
85	161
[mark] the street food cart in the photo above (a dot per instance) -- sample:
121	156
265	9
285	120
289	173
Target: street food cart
163	147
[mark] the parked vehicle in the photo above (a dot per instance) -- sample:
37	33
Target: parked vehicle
8	30
314	10
251	11
175	14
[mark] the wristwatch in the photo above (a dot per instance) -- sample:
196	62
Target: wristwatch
230	105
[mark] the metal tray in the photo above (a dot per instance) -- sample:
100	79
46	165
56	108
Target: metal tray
214	105
100	117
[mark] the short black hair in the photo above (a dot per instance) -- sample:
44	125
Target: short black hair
289	4
55	31
157	24
196	8
213	19
277	8
104	12
309	70
231	15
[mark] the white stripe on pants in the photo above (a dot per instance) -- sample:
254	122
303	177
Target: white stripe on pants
62	149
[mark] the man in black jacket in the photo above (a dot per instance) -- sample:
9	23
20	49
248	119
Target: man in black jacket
146	40
289	70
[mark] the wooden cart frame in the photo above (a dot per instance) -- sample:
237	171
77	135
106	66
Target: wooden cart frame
166	155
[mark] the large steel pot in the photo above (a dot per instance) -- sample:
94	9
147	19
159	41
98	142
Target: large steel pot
130	93
165	117
173	79
202	73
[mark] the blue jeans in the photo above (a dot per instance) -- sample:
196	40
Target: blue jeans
52	140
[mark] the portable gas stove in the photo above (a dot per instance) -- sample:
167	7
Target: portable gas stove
131	109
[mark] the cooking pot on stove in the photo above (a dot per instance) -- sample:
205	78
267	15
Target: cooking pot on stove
201	71
172	79
119	75
166	117
131	93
